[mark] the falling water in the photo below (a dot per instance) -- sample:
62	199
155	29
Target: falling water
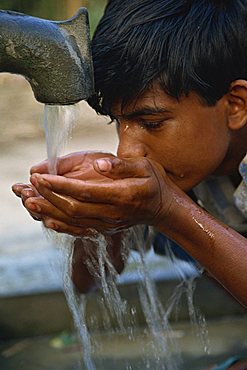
59	121
98	265
76	302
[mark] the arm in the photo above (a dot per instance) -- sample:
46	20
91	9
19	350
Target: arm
82	277
221	250
138	191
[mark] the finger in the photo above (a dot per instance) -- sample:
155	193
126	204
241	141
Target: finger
34	215
41	208
73	212
64	164
62	227
29	192
111	192
87	230
117	168
73	164
61	191
18	188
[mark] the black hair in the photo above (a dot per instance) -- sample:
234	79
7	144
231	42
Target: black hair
185	45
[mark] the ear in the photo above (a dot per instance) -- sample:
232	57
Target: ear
237	102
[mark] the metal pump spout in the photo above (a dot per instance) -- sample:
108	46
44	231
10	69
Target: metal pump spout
54	56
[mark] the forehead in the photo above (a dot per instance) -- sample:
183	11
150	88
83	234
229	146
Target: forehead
156	99
152	97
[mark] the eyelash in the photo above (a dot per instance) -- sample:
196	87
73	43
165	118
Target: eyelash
144	124
151	125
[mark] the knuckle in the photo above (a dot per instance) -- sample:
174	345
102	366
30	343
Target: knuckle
71	210
117	163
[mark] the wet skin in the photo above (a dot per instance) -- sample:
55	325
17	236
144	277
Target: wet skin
166	147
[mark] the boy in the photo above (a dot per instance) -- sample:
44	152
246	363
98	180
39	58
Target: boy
173	75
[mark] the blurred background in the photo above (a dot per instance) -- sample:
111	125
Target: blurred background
33	311
57	9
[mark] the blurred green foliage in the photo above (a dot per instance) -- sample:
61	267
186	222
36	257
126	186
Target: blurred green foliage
56	9
95	9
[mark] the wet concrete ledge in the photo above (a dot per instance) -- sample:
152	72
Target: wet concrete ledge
45	313
62	351
32	301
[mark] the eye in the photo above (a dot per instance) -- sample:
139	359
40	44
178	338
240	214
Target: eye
151	125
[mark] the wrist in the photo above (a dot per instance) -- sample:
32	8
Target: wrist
175	219
175	204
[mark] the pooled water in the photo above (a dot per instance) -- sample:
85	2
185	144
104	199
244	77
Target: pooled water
59	121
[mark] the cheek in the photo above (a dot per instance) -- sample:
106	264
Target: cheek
200	160
191	157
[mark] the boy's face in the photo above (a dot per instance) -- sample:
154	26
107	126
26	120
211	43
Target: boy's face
187	138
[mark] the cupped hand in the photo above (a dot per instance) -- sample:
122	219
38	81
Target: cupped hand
78	165
119	194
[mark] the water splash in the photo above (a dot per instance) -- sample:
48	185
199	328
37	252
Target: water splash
76	302
163	345
101	268
187	287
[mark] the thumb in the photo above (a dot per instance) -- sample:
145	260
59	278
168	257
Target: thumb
116	168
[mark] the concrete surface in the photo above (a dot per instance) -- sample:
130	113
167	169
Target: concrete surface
116	352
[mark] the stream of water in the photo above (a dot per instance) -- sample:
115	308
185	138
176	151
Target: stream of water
58	124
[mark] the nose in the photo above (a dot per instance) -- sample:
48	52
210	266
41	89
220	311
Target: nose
130	144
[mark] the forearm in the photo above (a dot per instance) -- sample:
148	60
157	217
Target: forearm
218	248
83	277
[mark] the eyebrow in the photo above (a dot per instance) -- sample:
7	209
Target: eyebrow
145	111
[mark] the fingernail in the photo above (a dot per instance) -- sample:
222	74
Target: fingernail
104	165
52	225
34	207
